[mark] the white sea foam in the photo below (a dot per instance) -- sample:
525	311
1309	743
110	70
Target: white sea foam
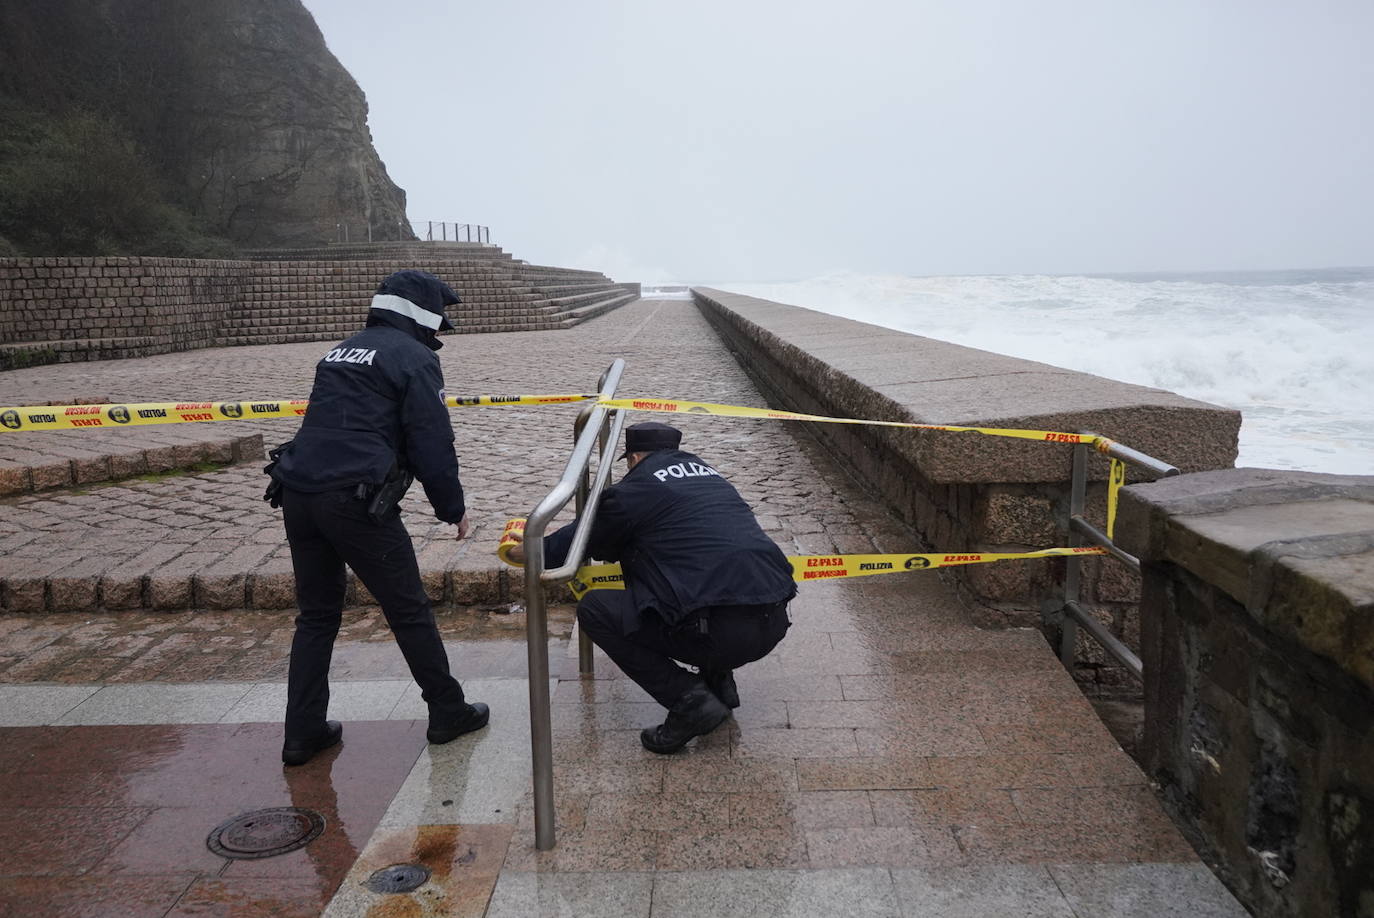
1294	351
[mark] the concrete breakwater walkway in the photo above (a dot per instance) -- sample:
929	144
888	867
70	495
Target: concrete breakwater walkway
889	758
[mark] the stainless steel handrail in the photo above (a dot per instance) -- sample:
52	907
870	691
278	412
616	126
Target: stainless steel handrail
586	663
536	612
1137	458
1075	614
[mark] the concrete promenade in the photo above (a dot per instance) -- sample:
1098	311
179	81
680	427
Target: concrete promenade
889	759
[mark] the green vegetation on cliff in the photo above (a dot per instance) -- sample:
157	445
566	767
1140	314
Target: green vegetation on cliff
77	184
178	127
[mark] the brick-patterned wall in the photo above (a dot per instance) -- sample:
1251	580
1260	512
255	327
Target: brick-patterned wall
116	306
69	309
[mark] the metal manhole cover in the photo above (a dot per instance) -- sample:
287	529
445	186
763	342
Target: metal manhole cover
398	878
266	833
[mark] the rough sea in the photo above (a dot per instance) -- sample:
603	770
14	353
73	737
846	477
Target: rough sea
1293	350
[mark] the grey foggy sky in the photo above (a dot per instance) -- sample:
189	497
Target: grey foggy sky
735	141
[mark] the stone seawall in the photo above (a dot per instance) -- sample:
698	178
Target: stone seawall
968	492
1258	637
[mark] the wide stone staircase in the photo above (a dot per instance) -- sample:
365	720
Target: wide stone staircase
318	294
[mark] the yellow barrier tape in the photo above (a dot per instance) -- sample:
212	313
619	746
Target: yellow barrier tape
473	401
806	568
68	417
1115	480
72	417
508	540
739	411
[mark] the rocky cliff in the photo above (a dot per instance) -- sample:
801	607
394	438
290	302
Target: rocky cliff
241	113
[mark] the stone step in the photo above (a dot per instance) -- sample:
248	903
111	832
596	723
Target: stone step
288	319
536	269
284	314
537	278
356	307
561	303
39	353
116	461
286	323
552	290
285	335
265	587
582	314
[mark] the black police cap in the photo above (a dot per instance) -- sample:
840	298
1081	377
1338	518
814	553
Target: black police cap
649	436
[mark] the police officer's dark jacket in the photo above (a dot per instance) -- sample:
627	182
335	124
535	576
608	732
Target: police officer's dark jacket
378	399
684	538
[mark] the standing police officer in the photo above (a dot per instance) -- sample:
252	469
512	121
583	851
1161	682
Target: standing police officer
703	583
376	418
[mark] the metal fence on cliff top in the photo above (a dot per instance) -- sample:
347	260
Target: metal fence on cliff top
410	231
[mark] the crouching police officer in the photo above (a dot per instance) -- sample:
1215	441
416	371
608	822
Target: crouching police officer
703	583
376	418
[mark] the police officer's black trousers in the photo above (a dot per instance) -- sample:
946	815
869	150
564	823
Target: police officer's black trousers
734	636
327	531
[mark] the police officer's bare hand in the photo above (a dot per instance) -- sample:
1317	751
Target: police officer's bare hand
463	527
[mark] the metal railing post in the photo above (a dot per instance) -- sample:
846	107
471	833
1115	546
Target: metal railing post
586	662
541	717
536	611
1072	614
1078	489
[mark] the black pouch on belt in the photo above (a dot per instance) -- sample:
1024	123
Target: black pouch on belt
273	493
389	493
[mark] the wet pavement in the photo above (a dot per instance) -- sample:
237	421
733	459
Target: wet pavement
888	759
100	820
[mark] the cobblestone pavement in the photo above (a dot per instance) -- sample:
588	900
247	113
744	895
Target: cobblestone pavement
207	541
889	758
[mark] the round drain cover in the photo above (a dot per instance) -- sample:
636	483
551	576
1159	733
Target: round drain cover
266	833
398	878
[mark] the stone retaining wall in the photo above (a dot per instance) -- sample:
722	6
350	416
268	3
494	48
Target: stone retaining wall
1258	637
90	467
62	309
70	309
967	492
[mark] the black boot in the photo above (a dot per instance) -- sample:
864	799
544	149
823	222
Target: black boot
721	682
298	752
694	714
447	729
